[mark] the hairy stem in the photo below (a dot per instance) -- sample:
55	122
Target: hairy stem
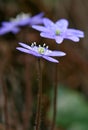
55	99
39	98
4	87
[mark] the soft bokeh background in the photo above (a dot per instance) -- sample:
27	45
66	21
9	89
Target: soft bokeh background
18	75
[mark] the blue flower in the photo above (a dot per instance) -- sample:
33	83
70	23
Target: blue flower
26	19
20	20
58	30
40	51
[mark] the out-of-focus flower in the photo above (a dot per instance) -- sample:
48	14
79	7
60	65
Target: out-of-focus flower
37	19
20	20
26	19
58	30
40	51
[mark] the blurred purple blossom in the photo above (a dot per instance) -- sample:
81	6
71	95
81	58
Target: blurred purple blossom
20	20
40	51
58	30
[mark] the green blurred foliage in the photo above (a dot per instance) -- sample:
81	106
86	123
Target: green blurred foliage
72	109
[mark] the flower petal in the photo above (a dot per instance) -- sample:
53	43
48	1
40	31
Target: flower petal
28	51
15	30
47	35
37	19
40	15
24	45
7	29
59	39
48	22
5	23
40	28
62	24
4	30
56	53
50	59
73	38
75	32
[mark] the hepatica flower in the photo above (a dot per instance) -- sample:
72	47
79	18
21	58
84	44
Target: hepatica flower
26	19
40	51
58	30
20	20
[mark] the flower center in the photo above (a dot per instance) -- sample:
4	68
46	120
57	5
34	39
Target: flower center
19	17
41	50
57	32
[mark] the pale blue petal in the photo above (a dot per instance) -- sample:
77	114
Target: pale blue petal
62	24
5	23
59	39
15	30
28	51
37	19
56	53
48	22
23	50
4	30
40	28
47	35
40	15
24	45
50	59
73	38
7	29
75	32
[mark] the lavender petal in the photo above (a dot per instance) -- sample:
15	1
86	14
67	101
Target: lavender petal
40	28
24	45
15	30
62	24
73	38
75	32
47	35
50	59
28	51
59	39
48	22
56	53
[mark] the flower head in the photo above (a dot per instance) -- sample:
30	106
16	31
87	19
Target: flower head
20	20
58	30
26	19
40	51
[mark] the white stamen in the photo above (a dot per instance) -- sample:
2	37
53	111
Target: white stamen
47	47
44	45
35	43
32	44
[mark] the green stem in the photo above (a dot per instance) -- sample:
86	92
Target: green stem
39	98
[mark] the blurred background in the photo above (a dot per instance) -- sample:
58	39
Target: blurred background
18	74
